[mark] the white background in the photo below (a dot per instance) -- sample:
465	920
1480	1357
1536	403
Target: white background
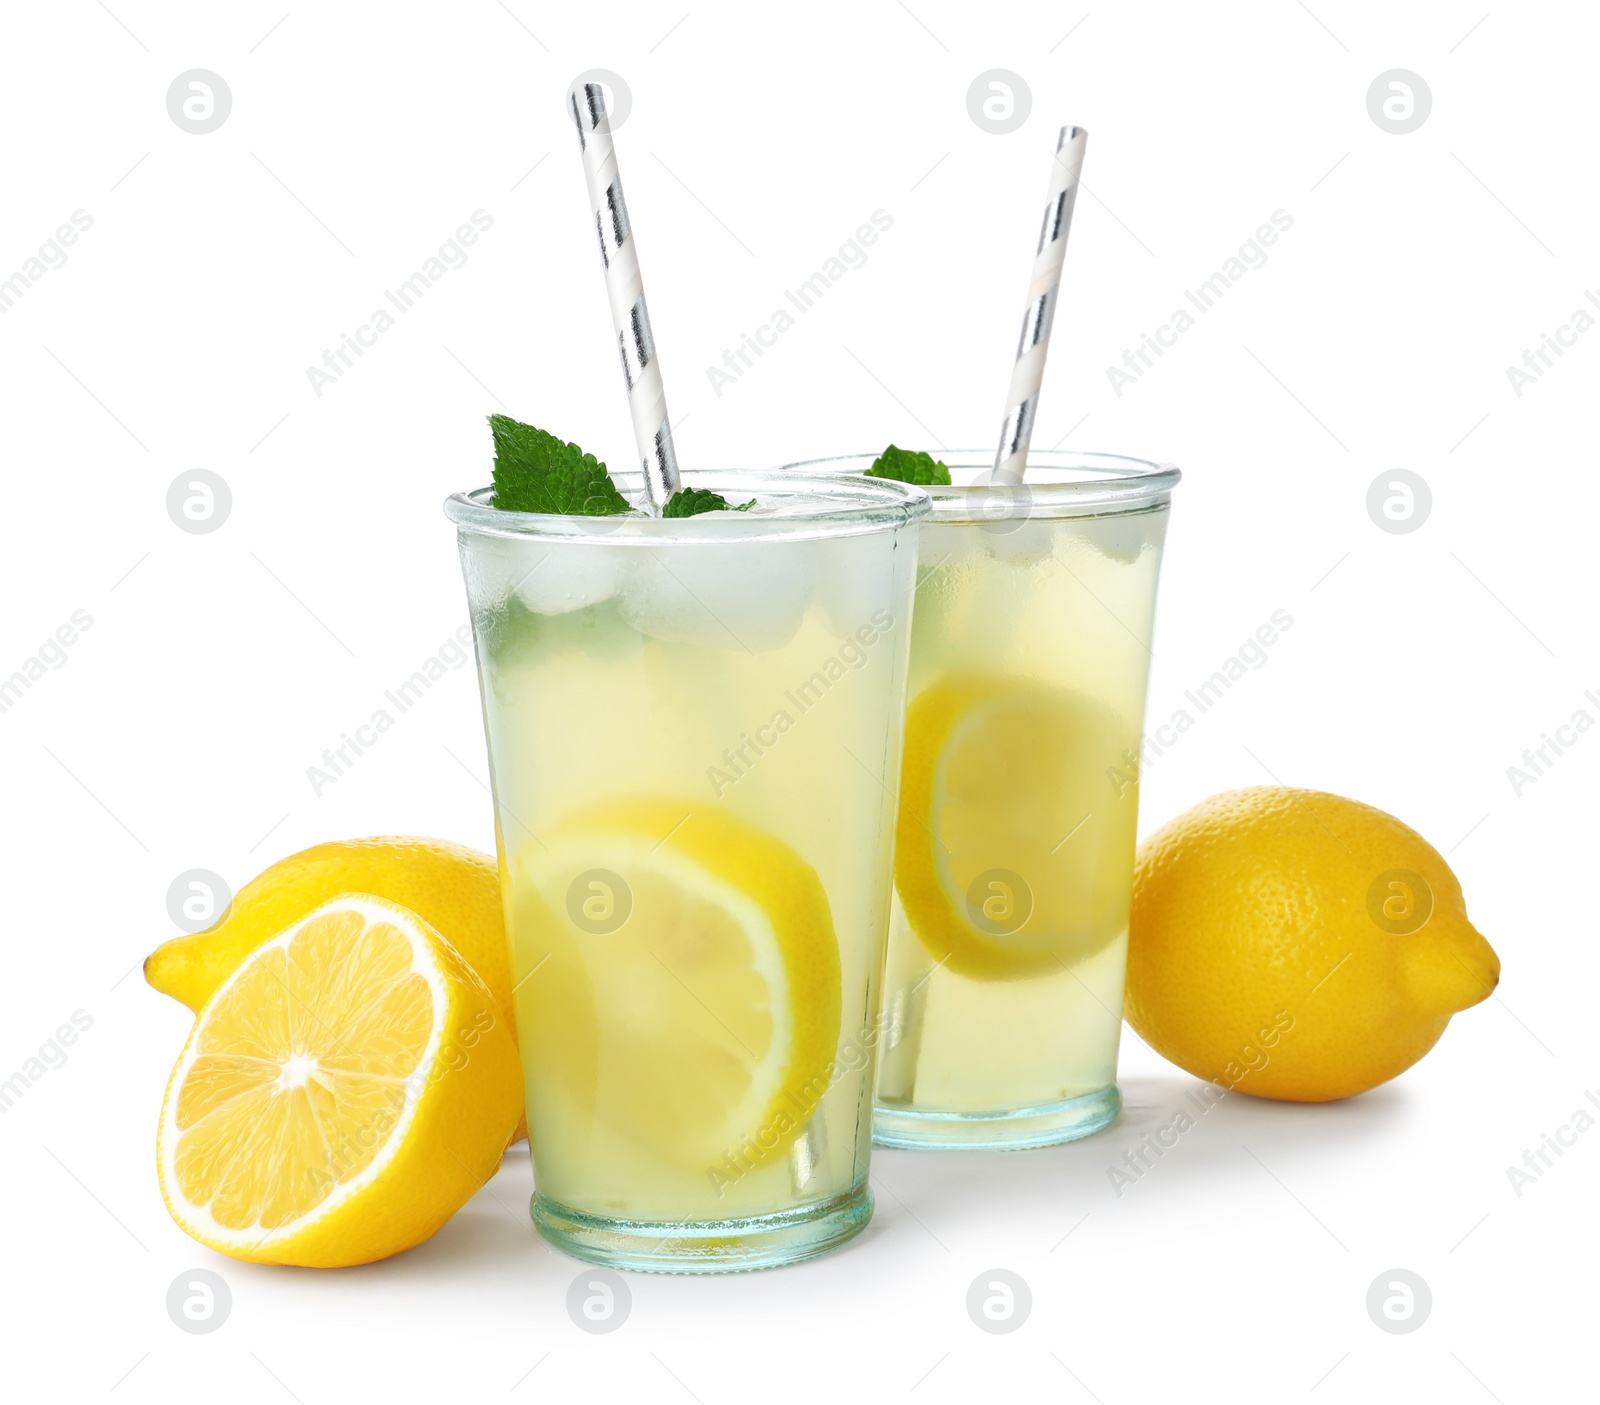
218	667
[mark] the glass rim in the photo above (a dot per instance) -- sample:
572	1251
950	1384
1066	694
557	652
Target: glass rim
1085	484
847	505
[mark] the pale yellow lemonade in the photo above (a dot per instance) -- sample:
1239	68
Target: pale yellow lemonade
694	743
1015	840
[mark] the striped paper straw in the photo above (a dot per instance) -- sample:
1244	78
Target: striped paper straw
647	399
1022	398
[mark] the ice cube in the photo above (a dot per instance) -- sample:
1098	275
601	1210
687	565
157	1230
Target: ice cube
736	595
550	579
1124	537
571	575
492	567
855	579
1023	542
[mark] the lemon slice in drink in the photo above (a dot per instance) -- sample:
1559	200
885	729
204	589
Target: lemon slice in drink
343	1093
679	982
1016	833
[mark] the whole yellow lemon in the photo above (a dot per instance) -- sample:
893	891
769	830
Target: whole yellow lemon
1297	945
454	889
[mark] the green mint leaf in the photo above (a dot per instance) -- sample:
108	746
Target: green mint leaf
691	502
906	466
537	472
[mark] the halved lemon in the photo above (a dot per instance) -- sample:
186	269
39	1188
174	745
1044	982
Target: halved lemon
678	983
342	1094
1015	840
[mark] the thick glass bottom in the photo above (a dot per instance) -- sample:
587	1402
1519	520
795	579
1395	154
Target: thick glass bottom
706	1246
1012	1129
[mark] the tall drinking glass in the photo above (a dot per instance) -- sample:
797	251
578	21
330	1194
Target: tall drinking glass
694	742
1030	656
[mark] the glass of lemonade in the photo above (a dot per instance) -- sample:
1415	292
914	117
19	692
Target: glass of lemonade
694	742
1030	656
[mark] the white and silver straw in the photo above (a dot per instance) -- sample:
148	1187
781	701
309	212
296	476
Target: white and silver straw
1022	397
647	399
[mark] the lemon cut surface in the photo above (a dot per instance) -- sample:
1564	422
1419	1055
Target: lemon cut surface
343	1093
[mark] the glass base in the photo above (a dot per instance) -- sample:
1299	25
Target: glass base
706	1246
1013	1129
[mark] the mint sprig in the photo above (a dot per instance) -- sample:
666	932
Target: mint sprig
909	466
536	472
691	502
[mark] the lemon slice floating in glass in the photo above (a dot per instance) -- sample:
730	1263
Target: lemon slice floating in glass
678	983
1014	845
